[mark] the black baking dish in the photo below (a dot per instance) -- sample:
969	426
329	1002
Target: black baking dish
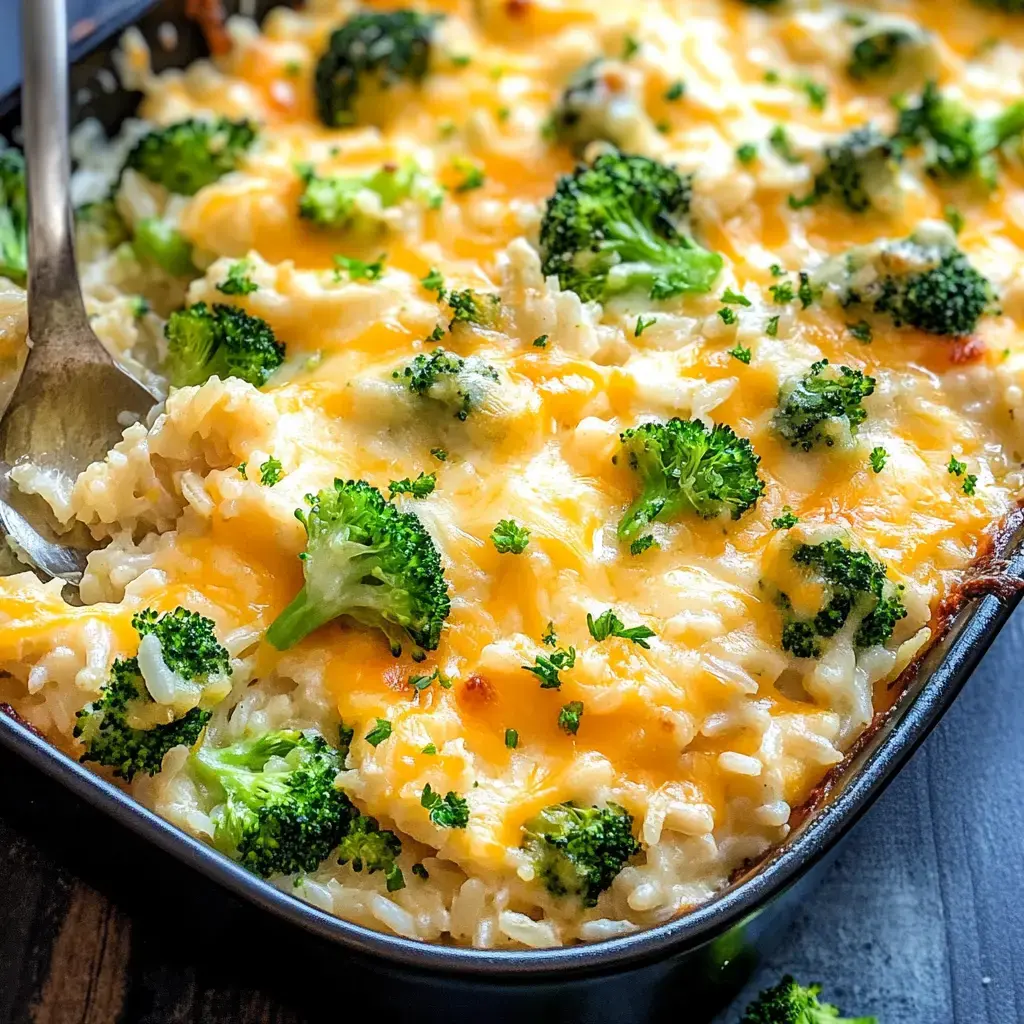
682	969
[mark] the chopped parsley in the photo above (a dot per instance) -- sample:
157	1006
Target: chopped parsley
379	733
735	298
816	93
450	811
547	667
358	270
878	458
641	544
433	281
473	177
642	325
741	353
771	328
511	739
271	472
609	624
958	468
541	341
779	140
549	636
746	153
569	717
728	315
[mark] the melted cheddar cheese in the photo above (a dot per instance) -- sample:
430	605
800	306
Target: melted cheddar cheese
712	735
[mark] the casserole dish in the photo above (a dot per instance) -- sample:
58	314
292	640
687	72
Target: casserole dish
690	955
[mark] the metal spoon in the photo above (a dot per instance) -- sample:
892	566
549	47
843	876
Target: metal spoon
64	413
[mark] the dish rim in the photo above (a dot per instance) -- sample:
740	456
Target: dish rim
891	741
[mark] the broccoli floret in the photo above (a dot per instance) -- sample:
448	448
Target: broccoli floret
957	144
597	105
853	582
860	171
893	52
458	384
367	845
372	52
578	851
137	719
824	406
102	218
13	216
792	1003
369	561
684	467
163	245
924	281
191	154
618	226
276	809
354	202
224	340
470	307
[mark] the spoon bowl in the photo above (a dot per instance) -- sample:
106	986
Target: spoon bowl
72	400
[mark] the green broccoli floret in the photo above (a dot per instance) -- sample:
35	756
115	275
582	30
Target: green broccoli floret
163	245
860	171
822	407
792	1003
224	340
924	281
13	216
275	807
101	218
578	851
853	582
191	154
126	728
595	106
368	561
957	144
684	467
461	385
893	52
365	844
369	54
619	226
354	202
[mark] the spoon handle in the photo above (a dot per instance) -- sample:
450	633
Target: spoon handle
54	297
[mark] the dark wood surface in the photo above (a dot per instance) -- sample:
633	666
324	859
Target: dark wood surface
921	920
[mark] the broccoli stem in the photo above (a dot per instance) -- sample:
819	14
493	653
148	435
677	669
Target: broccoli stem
350	591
